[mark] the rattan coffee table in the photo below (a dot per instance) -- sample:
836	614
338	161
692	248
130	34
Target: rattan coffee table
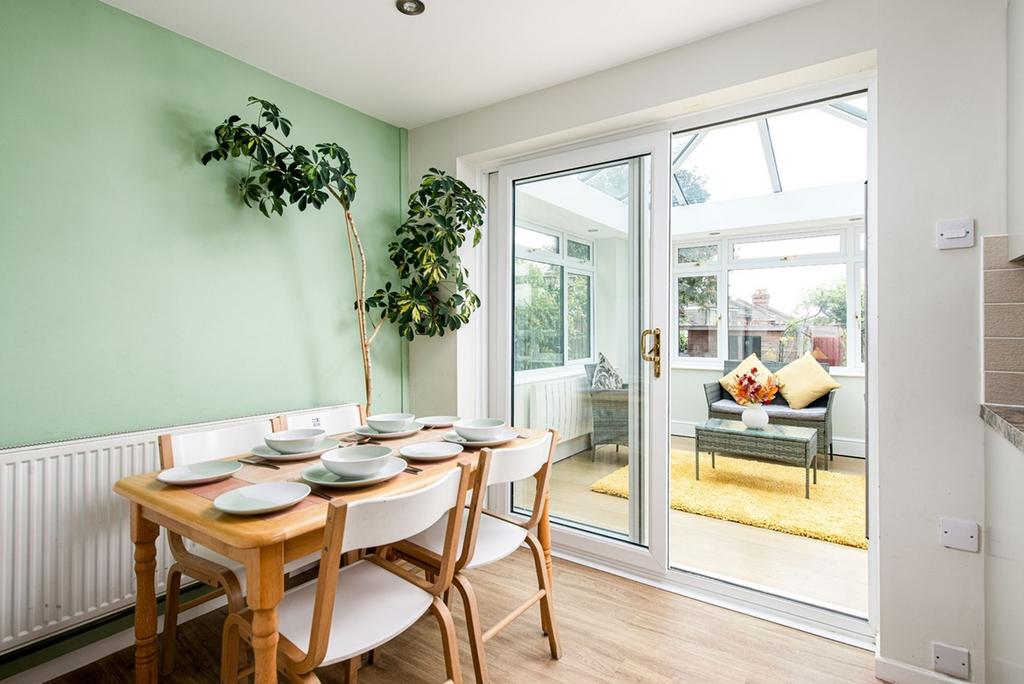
781	443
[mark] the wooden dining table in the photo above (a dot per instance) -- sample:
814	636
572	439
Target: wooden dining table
262	543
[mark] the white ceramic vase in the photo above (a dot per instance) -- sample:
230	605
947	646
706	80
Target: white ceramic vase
755	417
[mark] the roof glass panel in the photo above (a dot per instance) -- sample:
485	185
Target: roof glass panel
814	147
726	163
611	180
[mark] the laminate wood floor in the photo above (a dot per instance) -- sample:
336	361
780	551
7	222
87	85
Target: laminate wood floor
613	630
811	570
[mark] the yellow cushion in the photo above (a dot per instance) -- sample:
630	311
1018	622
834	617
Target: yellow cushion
728	381
803	381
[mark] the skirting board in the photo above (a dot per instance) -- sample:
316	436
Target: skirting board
90	653
841	446
897	672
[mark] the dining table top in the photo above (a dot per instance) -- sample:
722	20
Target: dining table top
192	506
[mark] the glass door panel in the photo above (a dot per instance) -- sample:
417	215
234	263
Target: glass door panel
579	239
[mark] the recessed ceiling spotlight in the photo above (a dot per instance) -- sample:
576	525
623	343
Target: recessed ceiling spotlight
714	232
410	7
591	230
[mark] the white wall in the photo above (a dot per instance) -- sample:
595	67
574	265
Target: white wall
941	133
1004	464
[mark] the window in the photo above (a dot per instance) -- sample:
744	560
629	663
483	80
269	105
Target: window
554	299
698	316
782	297
726	163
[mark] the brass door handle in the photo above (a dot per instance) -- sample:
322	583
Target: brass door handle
653	354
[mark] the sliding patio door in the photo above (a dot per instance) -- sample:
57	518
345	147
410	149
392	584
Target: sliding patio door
580	239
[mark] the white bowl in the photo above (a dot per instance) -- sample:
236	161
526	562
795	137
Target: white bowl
391	422
363	460
295	441
479	429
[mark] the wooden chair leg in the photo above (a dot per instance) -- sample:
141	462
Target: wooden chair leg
547	613
229	651
476	639
448	641
173	600
352	670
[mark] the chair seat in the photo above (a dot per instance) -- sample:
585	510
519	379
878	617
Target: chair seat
239	569
811	413
371	606
494	540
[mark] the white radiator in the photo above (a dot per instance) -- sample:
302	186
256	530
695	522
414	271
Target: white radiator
66	555
564	404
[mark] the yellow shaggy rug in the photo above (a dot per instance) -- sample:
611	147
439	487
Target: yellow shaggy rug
761	494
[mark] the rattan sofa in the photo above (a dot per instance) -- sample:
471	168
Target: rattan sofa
817	415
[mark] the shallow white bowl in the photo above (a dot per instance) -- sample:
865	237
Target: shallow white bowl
391	422
356	461
479	429
296	441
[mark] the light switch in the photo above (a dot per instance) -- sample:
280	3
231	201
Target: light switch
954	233
959	534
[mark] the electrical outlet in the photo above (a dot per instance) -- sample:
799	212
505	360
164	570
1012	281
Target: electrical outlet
951	660
959	534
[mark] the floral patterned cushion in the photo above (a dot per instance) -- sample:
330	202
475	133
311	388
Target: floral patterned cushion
605	375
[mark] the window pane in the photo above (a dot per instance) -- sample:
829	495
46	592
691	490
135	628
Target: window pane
698	316
538	315
697	255
782	313
814	148
767	249
577	250
861	315
727	163
611	180
579	316
535	241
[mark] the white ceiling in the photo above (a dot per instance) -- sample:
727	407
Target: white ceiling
457	56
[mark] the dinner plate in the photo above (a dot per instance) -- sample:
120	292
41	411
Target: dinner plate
262	498
507	436
367	431
199	473
319	475
263	451
431	451
438	421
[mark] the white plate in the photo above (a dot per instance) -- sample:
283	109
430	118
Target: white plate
266	452
262	498
438	421
319	475
431	451
507	436
367	431
199	473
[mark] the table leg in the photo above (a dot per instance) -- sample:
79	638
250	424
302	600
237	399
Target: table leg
144	535
807	479
265	578
696	457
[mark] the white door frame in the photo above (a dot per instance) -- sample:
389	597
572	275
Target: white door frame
651	565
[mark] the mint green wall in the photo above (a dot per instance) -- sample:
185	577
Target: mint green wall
135	290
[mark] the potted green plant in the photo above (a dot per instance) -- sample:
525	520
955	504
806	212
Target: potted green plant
432	295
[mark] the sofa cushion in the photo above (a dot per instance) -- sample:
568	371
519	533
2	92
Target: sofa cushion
813	413
751	363
803	381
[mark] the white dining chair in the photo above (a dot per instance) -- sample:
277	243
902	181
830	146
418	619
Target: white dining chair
488	538
197	562
333	419
349	611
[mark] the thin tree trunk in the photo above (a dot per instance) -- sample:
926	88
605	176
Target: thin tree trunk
359	283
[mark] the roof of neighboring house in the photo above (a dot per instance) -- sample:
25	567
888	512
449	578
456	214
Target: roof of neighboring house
753	316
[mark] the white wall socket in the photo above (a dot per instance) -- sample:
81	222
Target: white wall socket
959	534
954	233
951	660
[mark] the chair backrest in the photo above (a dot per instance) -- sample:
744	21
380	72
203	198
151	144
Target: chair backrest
333	419
212	443
516	463
383	521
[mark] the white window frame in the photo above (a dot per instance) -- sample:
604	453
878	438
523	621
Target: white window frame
849	255
568	265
